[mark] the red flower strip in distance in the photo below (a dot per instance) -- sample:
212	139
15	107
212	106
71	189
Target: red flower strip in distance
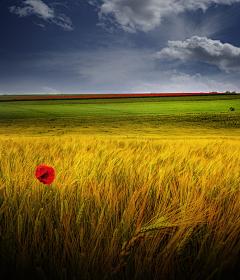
45	174
90	96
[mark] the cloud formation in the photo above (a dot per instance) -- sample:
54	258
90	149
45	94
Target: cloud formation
133	15
182	82
106	70
43	11
49	90
225	56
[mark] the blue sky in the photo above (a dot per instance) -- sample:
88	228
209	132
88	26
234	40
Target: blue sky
117	46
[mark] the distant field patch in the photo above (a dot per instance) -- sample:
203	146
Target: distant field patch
130	117
12	110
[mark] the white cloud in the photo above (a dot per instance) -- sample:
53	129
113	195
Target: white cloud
33	7
39	24
180	82
225	56
49	90
145	15
43	11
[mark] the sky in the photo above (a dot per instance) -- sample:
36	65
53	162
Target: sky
119	46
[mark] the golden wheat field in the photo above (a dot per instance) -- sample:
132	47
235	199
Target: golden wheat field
120	208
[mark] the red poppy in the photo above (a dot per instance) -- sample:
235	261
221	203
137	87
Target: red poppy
45	174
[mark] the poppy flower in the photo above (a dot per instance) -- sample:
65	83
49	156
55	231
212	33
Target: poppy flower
45	174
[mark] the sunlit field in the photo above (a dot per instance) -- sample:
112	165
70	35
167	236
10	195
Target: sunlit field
143	189
120	208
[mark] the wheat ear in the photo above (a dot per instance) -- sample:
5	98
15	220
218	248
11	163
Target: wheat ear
125	252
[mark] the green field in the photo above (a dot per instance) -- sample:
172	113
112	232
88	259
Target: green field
108	107
144	117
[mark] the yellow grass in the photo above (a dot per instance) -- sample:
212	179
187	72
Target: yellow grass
120	208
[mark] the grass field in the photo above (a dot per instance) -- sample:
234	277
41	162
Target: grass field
109	107
130	117
136	196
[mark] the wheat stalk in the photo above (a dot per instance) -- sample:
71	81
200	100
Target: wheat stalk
56	236
80	213
212	274
20	225
184	241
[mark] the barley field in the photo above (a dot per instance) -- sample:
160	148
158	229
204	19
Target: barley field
120	208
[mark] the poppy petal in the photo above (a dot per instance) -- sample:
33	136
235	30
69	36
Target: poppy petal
45	174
